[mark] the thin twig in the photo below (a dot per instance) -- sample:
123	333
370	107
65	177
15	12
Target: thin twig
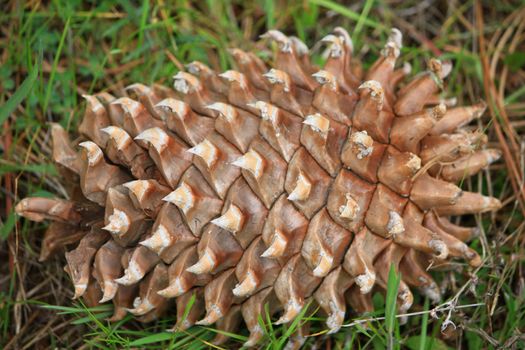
435	310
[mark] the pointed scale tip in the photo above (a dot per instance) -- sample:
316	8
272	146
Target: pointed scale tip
267	112
492	204
129	106
335	318
253	105
186	83
318	123
213	315
93	152
276	76
407	68
234	76
299	46
132	274
207	262
277	247
271	75
182	197
157	137
438	111
376	92
93	103
414	163
302	188
330	38
493	155
142	308
252	162
343	35
195	67
231	220
326	78
138	188
270	34
440	248
292	309
207	151
175	289
224	109
118	135
365	281
326	261
439	68
407	299
395	225
158	241
394	43
350	209
109	292
138	88
362	144
396	36
282	40
80	289
334	321
336	45
118	222
247	285
432	292
256	335
180	108
239	55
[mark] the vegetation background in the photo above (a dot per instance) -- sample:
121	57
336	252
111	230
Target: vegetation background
52	52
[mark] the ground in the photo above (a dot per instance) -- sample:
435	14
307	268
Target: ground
52	52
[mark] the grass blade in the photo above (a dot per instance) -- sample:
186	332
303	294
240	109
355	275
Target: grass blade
21	93
143	21
55	65
363	17
391	305
331	5
269	8
154	338
424	327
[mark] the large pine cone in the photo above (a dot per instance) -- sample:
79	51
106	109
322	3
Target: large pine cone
259	186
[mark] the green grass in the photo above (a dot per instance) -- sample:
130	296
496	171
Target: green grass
51	53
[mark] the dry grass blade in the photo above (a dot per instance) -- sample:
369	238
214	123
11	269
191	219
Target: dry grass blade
502	125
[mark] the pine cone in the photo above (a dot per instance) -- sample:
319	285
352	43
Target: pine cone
258	186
